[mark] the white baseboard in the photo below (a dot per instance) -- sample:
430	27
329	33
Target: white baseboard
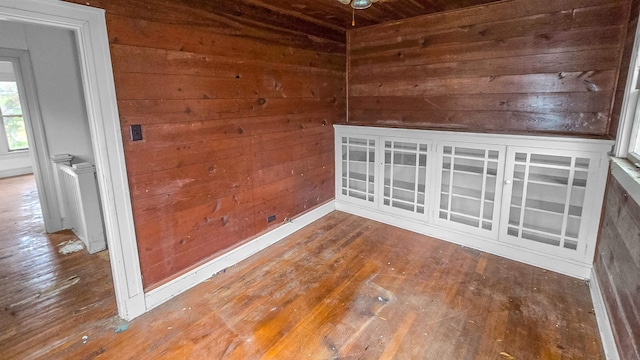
572	268
602	317
194	277
16	172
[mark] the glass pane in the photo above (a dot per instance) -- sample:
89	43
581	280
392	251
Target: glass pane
356	141
402	205
406	146
358	168
571	244
550	160
580	178
404	158
16	133
514	216
461	151
9	99
512	231
404	176
464	220
12	116
582	163
545	239
465	206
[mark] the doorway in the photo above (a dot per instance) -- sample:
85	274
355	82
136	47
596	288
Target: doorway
89	29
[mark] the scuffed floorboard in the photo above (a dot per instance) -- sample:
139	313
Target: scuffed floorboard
50	293
351	288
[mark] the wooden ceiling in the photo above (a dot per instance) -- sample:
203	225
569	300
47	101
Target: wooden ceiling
335	14
326	19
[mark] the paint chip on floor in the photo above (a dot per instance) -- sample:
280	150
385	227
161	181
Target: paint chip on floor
123	326
71	246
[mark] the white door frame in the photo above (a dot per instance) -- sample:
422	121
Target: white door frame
90	28
38	149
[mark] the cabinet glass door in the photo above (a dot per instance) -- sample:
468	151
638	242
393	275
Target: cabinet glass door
544	207
404	188
468	189
358	168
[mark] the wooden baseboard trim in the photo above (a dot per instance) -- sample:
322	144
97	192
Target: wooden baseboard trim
194	277
602	317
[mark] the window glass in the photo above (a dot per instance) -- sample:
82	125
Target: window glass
12	118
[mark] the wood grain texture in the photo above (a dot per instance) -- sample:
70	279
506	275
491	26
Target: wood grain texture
236	102
350	288
295	22
515	66
617	267
48	299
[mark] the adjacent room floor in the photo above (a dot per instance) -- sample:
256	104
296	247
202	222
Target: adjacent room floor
342	288
51	290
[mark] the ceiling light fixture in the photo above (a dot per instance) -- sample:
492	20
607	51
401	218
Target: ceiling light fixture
357	5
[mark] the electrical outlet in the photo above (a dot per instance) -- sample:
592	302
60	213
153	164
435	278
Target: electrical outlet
136	132
271	218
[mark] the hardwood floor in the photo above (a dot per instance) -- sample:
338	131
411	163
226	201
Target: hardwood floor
47	299
342	288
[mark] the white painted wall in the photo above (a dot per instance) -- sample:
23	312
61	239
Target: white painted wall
58	81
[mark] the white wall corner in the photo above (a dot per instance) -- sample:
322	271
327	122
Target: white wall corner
602	317
175	287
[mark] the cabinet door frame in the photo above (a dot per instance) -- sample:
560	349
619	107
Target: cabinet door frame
424	217
376	171
585	233
497	197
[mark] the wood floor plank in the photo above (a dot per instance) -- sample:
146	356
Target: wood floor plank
47	299
342	288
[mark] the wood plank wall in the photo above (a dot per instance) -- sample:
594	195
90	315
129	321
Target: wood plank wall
236	118
617	267
518	66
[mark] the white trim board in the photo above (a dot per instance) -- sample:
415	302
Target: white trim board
602	318
90	29
505	250
198	275
628	176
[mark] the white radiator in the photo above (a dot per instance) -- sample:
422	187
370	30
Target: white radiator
82	204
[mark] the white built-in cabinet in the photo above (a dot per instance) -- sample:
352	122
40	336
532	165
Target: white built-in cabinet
534	199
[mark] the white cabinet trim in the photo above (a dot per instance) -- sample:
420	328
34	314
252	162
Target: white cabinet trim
577	266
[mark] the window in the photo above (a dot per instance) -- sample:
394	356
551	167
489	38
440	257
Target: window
628	137
13	131
12	118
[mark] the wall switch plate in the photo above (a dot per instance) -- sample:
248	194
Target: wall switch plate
136	132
